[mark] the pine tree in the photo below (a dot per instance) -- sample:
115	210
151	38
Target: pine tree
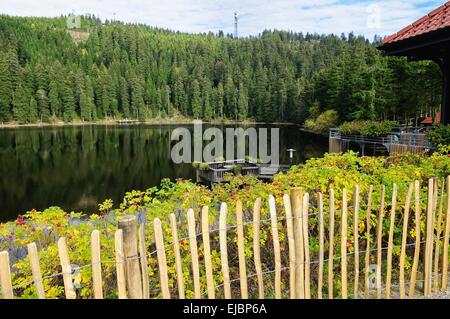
21	105
33	113
242	103
6	89
68	102
54	100
196	100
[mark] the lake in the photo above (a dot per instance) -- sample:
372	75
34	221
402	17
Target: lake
77	167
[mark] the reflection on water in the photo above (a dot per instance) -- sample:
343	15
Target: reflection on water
78	167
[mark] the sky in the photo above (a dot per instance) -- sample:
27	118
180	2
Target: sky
366	17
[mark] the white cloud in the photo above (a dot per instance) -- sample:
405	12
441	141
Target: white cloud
322	16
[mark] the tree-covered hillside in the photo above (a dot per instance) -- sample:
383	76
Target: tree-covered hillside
127	71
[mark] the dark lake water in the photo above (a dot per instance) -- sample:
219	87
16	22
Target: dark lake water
77	167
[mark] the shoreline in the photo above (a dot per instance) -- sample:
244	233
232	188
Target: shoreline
172	121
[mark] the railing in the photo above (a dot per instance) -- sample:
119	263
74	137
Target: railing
408	137
304	262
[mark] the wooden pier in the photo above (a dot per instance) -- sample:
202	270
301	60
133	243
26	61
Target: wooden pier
127	122
215	171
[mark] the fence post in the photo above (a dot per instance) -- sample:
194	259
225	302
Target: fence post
368	228
120	265
305	221
241	250
404	238
429	238
96	265
331	247
223	250
144	263
207	252
178	265
321	243
5	276
276	246
36	270
438	241
194	252
130	248
412	283
256	248
356	239
291	244
391	242
344	245
446	238
66	269
379	240
297	207
162	262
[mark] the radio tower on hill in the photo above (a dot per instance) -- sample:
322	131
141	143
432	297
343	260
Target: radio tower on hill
235	25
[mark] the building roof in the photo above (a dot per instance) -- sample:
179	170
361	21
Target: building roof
436	20
429	120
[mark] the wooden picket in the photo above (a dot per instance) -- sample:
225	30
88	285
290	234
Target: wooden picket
162	262
331	247
276	246
178	264
120	264
446	240
207	253
5	276
356	240
415	265
224	251
241	252
36	270
96	265
144	263
194	253
391	242
66	269
131	256
438	241
256	246
297	207
367	255
404	238
291	244
321	247
344	288
379	241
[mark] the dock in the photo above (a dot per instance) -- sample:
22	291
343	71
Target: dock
127	122
214	172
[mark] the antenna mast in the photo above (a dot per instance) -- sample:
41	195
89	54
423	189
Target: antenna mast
235	25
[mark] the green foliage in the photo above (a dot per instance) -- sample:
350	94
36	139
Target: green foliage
134	71
439	135
367	128
323	122
317	175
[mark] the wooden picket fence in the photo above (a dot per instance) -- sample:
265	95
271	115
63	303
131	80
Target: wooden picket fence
131	251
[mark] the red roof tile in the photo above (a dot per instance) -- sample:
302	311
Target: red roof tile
435	20
429	120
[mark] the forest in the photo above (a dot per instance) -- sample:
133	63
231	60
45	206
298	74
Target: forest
112	70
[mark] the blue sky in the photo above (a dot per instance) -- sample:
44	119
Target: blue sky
366	17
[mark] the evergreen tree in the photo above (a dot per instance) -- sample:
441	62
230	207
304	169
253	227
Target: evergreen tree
196	100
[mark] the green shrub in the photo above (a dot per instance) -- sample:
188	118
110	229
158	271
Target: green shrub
439	135
323	122
335	171
367	128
